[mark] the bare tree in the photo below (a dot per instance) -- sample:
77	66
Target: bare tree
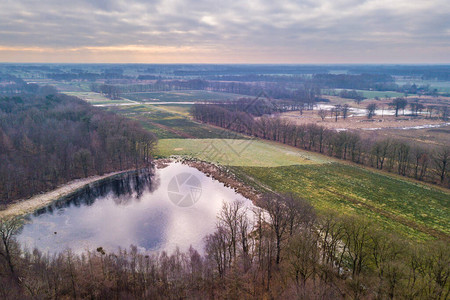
336	111
245	228
382	109
430	109
234	219
9	228
444	113
300	213
399	103
345	110
217	249
322	113
303	256
371	108
442	162
385	252
356	238
421	159
275	205
228	219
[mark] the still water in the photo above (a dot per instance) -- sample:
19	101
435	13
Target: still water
177	206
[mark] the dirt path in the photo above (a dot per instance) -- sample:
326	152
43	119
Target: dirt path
25	206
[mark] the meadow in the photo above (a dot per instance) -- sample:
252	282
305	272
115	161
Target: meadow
441	86
368	94
239	152
181	96
96	98
401	206
166	124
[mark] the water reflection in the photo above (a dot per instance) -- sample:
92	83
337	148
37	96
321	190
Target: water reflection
124	188
134	209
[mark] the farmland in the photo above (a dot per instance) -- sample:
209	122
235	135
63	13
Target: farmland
166	124
401	206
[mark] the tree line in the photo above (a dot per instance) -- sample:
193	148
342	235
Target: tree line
286	88
49	140
398	104
283	250
427	164
10	85
304	92
355	81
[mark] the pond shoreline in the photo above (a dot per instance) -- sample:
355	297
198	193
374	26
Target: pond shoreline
122	210
217	172
26	206
224	176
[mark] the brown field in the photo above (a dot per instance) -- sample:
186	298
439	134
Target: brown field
359	122
426	100
383	125
427	137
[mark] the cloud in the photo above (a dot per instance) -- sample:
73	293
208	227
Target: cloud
271	31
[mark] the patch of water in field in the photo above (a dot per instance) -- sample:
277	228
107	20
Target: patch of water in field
177	206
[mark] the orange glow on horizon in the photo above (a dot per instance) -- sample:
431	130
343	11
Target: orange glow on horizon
181	54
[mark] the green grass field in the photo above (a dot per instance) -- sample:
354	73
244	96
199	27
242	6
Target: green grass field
168	125
238	152
441	86
410	209
180	96
380	94
181	109
370	94
95	98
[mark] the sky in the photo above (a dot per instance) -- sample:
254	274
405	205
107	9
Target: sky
225	31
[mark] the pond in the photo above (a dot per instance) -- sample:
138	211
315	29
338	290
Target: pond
176	206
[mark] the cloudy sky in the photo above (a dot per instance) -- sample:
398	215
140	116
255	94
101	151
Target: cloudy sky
228	31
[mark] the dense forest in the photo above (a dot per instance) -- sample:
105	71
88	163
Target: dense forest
428	164
49	140
289	252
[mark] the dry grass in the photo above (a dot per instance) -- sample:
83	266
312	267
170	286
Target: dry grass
356	122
